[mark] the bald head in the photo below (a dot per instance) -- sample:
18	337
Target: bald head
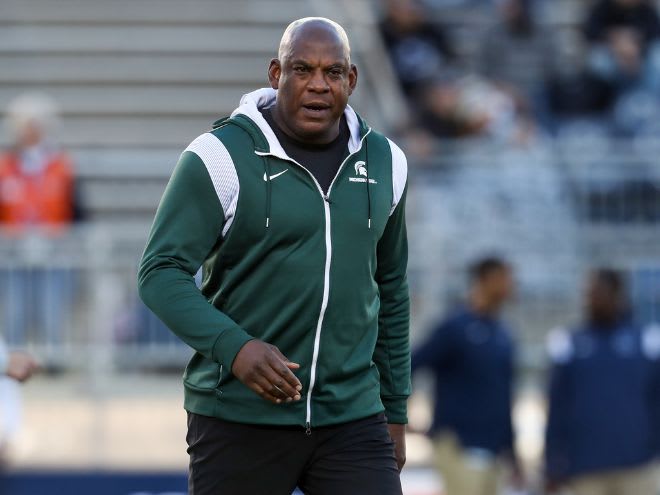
313	28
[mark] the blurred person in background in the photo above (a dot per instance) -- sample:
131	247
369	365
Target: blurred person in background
446	103
424	62
423	59
441	113
574	92
608	16
518	55
625	51
603	430
471	355
37	203
472	107
420	49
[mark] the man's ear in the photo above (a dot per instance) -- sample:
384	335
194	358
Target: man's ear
274	73
352	78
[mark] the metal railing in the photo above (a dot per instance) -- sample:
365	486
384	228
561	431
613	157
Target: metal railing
71	298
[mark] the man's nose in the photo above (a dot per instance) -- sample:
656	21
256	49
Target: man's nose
318	82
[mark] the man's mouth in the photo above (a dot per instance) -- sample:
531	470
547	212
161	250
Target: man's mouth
316	107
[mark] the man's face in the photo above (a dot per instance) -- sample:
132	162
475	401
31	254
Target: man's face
314	80
29	135
601	301
499	285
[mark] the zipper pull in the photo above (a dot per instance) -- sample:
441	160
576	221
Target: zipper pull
326	198
308	428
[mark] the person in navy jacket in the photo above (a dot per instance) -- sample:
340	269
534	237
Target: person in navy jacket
604	403
471	355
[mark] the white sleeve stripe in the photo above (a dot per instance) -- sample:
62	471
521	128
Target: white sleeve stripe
399	173
222	171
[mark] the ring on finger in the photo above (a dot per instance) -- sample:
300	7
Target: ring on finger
276	389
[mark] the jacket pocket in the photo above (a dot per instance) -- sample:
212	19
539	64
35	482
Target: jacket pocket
203	375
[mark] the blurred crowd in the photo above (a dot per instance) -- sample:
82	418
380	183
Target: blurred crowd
518	78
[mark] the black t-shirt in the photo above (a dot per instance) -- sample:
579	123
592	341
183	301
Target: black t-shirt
322	160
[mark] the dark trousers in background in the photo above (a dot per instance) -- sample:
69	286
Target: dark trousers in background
231	458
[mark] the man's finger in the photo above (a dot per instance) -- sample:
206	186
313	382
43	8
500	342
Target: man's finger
269	382
276	375
276	387
264	394
266	389
288	363
282	370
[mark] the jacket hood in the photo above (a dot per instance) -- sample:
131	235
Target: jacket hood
265	97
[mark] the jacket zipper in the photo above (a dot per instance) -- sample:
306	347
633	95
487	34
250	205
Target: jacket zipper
326	274
324	306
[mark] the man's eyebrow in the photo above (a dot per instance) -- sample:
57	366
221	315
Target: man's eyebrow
300	62
337	64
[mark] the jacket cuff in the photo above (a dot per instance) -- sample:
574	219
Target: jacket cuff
228	344
396	409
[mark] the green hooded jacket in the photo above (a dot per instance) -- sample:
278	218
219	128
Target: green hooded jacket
320	276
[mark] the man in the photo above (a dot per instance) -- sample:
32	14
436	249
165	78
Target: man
604	414
295	209
419	47
517	53
625	48
38	202
471	356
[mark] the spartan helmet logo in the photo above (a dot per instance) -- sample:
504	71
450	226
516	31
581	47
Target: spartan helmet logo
360	168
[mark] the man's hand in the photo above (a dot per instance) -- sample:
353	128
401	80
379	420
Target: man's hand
398	436
21	366
264	369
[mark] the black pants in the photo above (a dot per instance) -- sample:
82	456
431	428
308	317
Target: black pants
231	458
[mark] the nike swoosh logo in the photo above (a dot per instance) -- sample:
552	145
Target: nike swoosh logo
274	176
